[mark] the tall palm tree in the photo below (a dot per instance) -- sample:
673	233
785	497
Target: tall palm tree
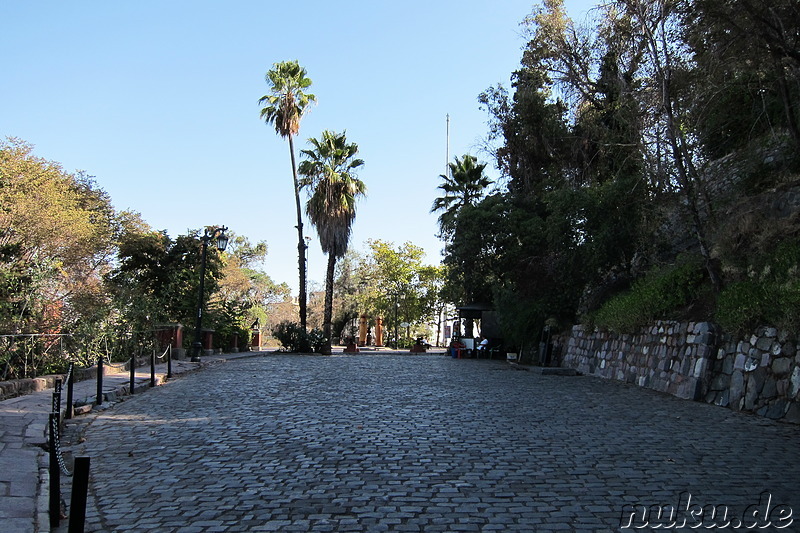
283	108
463	186
329	174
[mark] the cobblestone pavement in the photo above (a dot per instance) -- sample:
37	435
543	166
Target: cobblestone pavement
426	443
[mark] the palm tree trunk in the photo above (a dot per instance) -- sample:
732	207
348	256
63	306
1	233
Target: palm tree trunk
301	245
328	314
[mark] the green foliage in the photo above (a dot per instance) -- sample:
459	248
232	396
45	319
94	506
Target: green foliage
769	296
56	240
662	294
294	338
520	318
746	82
599	138
463	186
157	279
287	102
329	175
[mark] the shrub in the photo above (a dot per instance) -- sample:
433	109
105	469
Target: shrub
770	295
295	339
741	306
662	294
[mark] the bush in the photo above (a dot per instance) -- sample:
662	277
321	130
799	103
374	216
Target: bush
770	295
662	294
741	306
295	339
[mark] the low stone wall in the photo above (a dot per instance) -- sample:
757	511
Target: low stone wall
693	360
20	387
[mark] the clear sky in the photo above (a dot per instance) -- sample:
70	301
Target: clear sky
158	101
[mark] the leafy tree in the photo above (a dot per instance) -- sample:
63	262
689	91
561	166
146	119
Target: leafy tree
284	107
157	279
56	239
240	301
748	60
394	283
329	173
667	58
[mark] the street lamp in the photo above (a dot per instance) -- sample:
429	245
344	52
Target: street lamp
221	242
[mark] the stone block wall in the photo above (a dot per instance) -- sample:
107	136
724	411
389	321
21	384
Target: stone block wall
760	374
692	360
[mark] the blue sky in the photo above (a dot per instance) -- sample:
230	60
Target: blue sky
158	101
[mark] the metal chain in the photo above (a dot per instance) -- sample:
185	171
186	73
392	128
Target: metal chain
163	355
107	362
57	440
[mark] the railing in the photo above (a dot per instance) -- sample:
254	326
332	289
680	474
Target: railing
31	355
23	356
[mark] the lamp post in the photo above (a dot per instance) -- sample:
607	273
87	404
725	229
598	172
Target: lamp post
221	242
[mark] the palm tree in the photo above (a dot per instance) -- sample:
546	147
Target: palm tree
464	186
329	174
283	108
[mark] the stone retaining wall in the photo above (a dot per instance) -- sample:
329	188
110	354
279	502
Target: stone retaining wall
20	387
694	361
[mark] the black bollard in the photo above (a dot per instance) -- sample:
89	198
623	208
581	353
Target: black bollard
153	369
169	362
55	474
70	381
133	374
80	489
99	399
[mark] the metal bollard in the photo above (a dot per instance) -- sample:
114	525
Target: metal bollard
99	399
169	362
70	381
153	369
80	489
133	374
55	474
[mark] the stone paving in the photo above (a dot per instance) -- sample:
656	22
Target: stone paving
425	443
24	473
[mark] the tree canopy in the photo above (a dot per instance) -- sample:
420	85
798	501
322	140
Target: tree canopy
619	143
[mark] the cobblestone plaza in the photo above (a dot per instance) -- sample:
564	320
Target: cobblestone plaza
423	443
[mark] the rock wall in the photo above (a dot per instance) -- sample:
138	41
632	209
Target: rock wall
693	360
20	387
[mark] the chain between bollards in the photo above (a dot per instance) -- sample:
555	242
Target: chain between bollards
56	405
